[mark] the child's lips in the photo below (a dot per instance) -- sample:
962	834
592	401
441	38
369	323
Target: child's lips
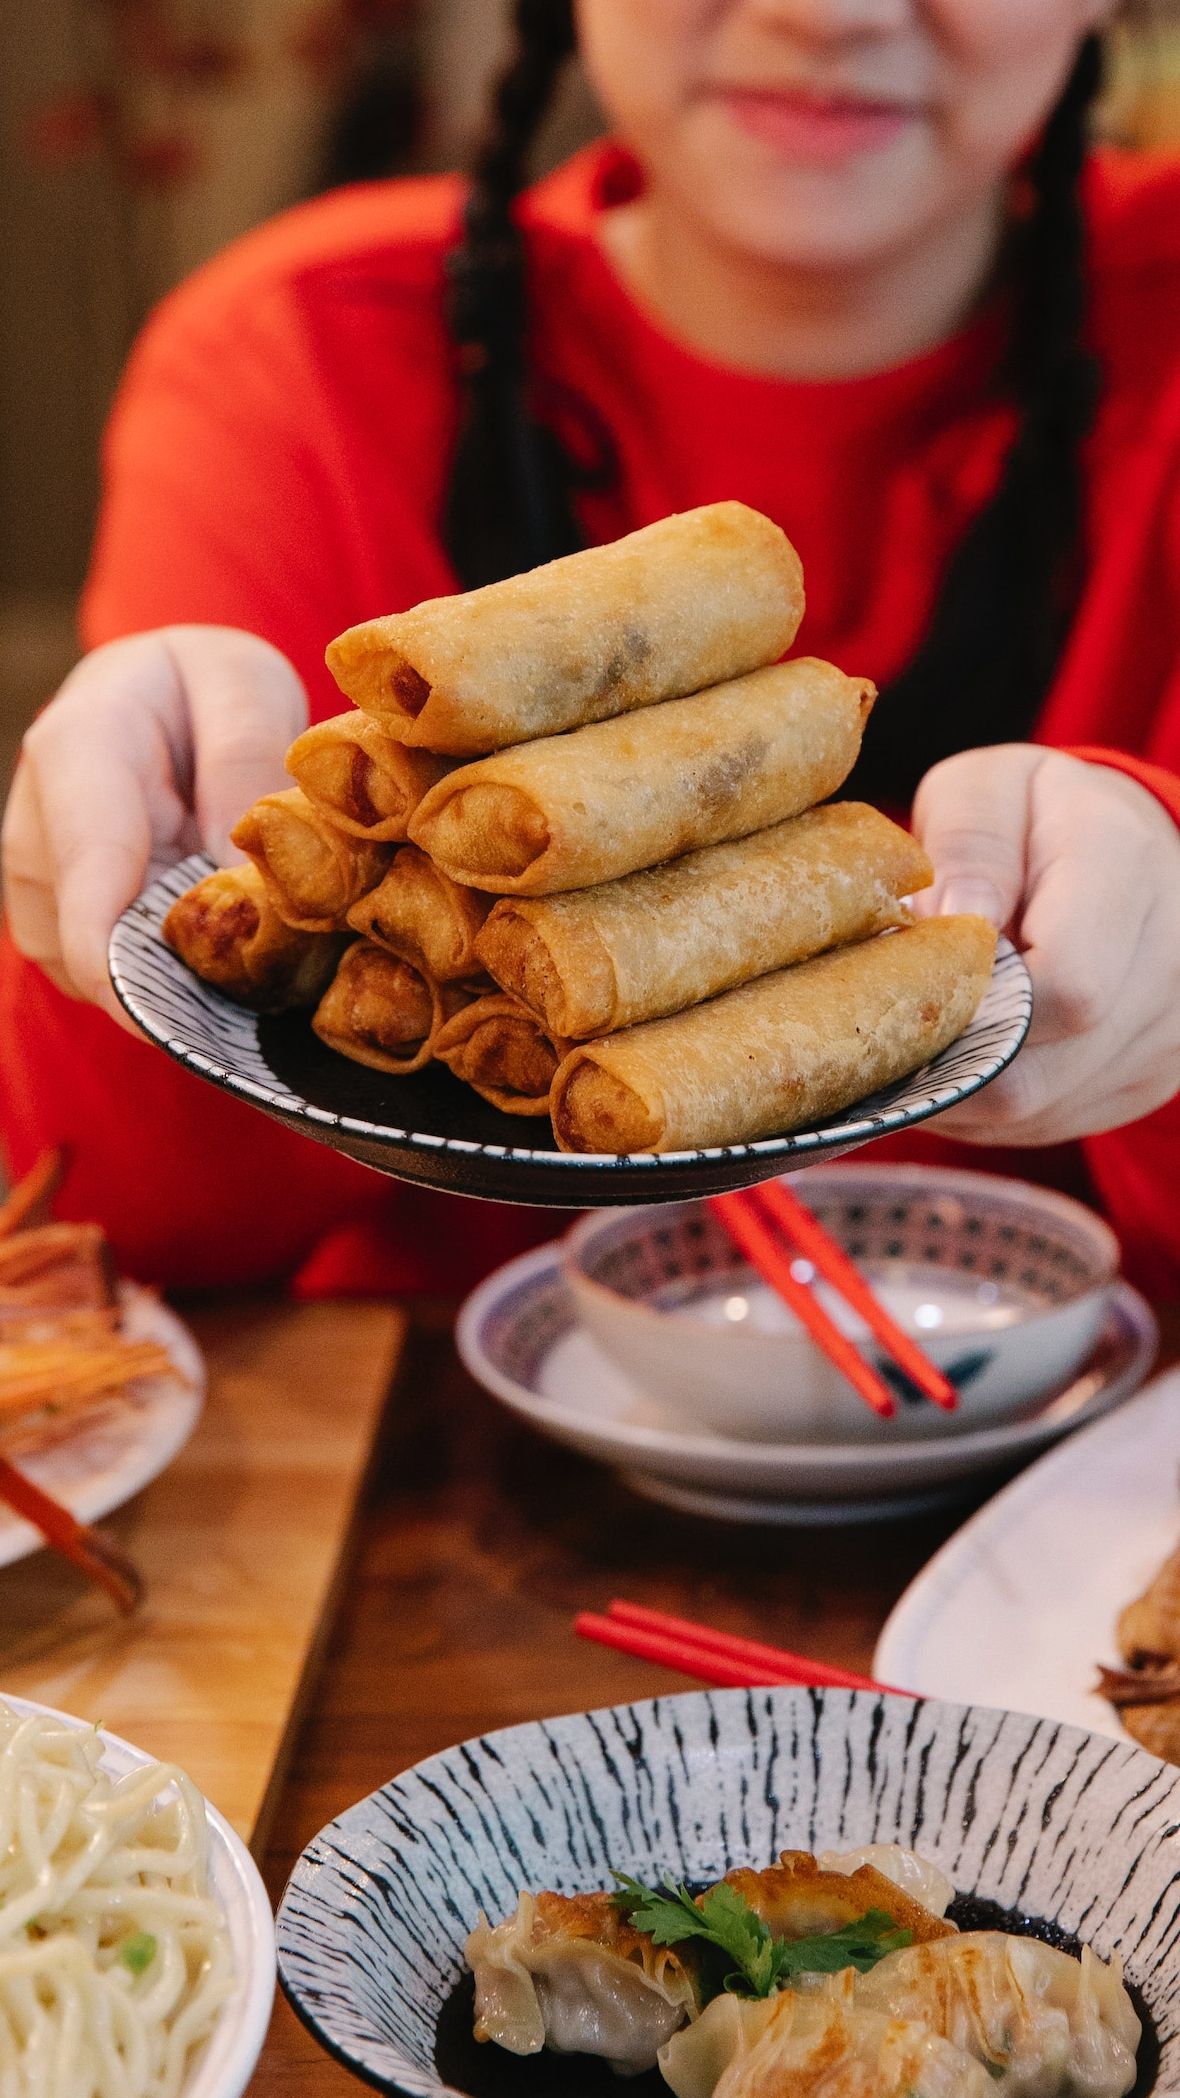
817	128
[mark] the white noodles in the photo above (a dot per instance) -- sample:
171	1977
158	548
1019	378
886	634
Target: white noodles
114	1957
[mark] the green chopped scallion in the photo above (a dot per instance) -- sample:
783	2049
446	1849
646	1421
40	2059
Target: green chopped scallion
138	1952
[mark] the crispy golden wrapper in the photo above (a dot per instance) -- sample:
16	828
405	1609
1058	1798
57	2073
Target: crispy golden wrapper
657	942
381	1011
570	811
313	870
685	603
417	911
779	1053
227	931
504	1052
368	784
1149	1628
797	1898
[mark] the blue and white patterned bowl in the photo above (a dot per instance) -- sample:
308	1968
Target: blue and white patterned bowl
1003	1284
431	1128
1045	1820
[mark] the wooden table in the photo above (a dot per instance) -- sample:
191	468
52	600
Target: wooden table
241	1542
476	1546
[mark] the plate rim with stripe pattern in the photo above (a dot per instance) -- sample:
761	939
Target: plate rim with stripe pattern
219	1041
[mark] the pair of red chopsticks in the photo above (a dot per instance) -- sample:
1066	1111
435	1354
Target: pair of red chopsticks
713	1657
774	1230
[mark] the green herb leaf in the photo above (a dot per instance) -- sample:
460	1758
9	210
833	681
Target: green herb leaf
138	1952
667	1913
761	1963
859	1944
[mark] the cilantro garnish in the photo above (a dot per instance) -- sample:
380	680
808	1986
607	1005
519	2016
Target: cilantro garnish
757	1962
138	1952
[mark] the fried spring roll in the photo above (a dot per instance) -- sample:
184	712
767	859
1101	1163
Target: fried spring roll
225	930
312	870
417	911
368	784
570	811
381	1011
689	602
601	959
504	1052
780	1053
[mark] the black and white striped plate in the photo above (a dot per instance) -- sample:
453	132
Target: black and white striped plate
1056	1826
431	1128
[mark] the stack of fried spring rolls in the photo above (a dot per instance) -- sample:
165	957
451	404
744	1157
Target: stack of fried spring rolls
282	931
648	822
329	855
681	936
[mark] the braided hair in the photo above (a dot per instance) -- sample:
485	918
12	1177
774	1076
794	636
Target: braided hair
509	502
1010	588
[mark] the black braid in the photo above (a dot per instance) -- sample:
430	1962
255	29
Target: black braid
1011	587
508	502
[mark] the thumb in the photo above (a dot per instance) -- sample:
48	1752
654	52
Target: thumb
246	705
972	814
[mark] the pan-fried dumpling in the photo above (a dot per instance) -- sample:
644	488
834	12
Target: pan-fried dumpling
1041	2021
914	1875
819	2045
570	1973
798	1899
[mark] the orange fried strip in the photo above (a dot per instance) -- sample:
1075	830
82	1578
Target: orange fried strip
40	1373
101	1560
32	1195
57	1264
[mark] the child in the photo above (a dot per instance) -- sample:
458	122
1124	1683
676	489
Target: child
847	260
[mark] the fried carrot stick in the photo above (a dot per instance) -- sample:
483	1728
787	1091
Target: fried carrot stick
93	1554
30	1198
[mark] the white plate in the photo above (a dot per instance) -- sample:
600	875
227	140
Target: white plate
518	1336
1021	1603
224	2069
101	1464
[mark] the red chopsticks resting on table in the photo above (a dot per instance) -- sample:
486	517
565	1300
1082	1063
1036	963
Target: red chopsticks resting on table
713	1657
774	1230
98	1557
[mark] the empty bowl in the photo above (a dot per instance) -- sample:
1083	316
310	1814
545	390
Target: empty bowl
1003	1284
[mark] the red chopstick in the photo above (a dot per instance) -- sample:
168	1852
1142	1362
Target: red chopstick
98	1557
676	1653
733	1648
830	1260
713	1657
765	1251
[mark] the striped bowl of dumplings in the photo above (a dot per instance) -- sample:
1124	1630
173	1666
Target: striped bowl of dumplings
1042	1829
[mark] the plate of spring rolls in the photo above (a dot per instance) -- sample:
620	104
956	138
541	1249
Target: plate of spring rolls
563	911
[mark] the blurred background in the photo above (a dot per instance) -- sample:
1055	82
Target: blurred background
138	136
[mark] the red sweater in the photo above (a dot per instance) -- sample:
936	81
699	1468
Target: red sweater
277	461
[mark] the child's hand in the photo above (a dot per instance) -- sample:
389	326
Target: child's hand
153	747
1081	867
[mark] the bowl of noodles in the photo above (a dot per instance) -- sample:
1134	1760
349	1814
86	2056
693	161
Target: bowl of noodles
136	1940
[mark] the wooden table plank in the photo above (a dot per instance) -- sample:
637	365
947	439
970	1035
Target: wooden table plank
241	1543
477	1545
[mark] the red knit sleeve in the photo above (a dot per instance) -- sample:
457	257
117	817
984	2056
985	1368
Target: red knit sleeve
212	512
1158	780
1136	1170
